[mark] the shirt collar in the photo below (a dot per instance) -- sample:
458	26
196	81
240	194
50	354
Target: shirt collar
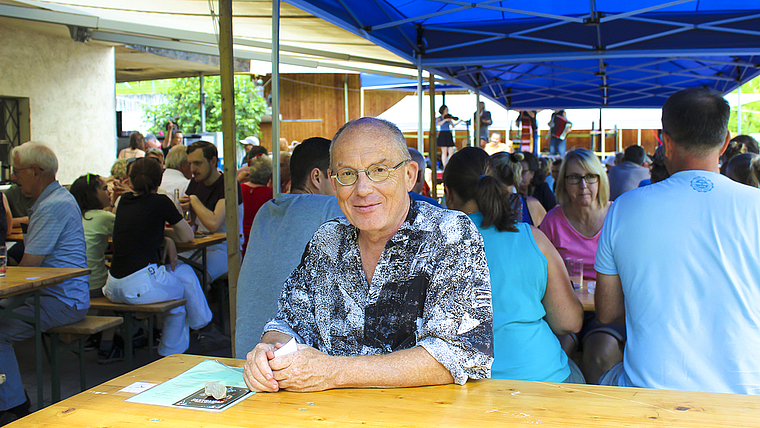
402	235
52	187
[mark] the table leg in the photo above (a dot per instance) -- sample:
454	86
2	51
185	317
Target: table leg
38	345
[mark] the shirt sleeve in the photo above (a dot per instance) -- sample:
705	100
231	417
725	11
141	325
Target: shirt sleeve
457	325
295	309
605	260
171	214
44	231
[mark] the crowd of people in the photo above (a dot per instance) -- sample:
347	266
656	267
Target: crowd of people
381	287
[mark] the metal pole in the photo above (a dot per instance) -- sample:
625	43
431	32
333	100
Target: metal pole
739	111
203	105
276	97
361	100
432	141
476	139
345	96
602	138
230	160
420	135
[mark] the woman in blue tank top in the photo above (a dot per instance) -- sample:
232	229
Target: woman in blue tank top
533	299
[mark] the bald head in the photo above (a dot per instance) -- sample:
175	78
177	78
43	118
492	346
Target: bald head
371	129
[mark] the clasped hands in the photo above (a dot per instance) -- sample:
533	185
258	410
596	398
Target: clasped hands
305	370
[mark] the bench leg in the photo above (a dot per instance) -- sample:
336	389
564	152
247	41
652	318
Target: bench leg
55	369
82	380
129	332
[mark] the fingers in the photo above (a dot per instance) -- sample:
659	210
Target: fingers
257	373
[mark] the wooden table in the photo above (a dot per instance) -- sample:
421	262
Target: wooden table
485	403
199	245
21	283
586	298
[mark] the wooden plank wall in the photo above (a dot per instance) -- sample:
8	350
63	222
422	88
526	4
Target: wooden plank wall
378	101
316	100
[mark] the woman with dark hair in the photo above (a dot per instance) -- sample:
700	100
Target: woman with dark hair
445	138
745	169
533	182
136	147
533	300
738	145
92	195
140	243
527	209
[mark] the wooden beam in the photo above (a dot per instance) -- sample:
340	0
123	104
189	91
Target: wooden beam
230	157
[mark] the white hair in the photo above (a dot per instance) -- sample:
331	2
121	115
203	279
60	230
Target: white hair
36	153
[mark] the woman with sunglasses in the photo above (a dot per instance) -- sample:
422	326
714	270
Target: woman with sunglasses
573	226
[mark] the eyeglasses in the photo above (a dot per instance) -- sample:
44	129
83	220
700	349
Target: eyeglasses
14	170
376	172
576	179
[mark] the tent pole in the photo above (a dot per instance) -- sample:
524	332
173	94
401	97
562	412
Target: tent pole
476	138
420	137
345	96
230	160
361	100
432	140
276	98
739	111
602	138
203	104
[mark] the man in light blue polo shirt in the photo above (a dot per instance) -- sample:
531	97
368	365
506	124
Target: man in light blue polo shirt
689	288
55	238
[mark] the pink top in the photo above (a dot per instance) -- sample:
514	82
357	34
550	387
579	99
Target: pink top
569	242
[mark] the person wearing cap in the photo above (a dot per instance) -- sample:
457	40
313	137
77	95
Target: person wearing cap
609	162
628	174
678	262
247	145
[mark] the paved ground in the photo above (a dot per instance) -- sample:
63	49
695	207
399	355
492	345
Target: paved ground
96	373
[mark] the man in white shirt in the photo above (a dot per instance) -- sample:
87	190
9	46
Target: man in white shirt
177	174
689	288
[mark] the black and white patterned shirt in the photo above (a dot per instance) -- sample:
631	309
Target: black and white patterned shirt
431	288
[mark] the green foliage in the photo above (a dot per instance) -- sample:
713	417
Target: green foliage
750	119
184	106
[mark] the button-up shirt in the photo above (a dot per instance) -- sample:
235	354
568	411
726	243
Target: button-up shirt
431	288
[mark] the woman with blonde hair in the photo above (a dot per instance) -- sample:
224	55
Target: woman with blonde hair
573	227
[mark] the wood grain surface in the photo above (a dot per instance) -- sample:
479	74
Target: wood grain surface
485	403
22	279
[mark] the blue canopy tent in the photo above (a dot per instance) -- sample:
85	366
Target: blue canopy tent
569	54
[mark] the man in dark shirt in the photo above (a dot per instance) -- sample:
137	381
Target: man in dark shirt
205	201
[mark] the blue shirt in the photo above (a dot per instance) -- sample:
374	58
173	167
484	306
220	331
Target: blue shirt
418	197
525	348
56	232
691	283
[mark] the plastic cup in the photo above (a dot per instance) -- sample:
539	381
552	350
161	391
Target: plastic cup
575	270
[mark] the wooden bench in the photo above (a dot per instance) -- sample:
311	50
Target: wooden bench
135	317
66	337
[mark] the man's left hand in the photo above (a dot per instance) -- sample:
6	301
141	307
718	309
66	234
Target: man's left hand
307	370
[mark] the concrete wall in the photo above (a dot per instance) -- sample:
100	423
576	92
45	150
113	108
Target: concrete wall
71	92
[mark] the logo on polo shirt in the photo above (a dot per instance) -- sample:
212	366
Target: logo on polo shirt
701	184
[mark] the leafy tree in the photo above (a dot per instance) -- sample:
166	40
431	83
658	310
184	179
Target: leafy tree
750	117
184	106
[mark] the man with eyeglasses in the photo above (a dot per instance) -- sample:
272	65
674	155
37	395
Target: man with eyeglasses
395	294
689	288
628	175
54	238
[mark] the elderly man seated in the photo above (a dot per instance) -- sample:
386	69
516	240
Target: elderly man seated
55	238
396	294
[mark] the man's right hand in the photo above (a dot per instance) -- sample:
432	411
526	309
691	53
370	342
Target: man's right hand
256	371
